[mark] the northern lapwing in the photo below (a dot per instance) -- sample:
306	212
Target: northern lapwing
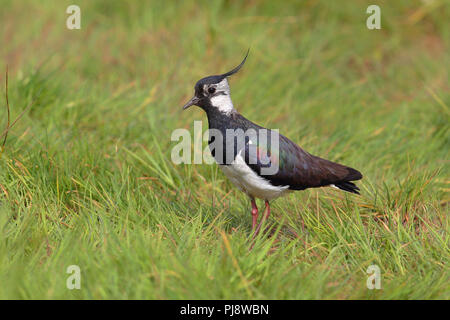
244	161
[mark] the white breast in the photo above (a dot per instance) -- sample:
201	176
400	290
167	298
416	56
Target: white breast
241	175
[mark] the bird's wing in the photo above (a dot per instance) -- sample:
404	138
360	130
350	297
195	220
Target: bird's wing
297	168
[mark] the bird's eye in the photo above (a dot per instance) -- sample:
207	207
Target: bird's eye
211	89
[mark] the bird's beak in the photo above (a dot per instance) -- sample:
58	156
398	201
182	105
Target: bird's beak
191	102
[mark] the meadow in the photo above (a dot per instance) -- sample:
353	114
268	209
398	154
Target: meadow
86	176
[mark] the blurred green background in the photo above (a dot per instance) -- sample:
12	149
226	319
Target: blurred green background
86	176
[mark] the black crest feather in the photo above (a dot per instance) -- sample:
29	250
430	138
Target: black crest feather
236	69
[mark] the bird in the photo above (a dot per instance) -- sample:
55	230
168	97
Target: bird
246	159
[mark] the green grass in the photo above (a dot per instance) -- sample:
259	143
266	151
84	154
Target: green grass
86	176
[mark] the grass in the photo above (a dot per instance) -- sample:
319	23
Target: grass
86	177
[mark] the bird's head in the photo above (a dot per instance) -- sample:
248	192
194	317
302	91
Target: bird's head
214	92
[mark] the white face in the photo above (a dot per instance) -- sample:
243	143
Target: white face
219	95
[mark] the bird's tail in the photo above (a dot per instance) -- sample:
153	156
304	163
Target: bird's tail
347	186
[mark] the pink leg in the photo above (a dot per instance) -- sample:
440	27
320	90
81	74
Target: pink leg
264	218
254	214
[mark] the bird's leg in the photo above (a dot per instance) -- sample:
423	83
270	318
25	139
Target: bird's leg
254	214
264	218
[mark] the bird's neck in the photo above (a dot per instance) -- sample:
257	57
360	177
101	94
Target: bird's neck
217	119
